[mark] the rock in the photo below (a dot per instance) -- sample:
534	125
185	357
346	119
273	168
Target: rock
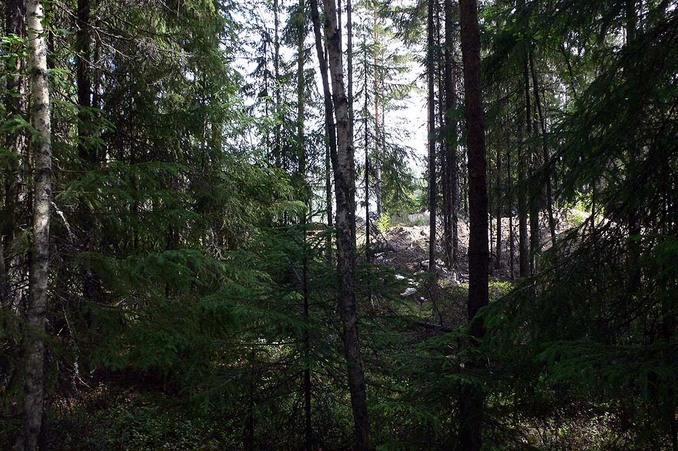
420	218
409	291
453	279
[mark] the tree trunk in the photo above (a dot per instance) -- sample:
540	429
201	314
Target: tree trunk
377	118
444	145
330	129
523	250
367	179
40	115
301	88
471	403
490	225
301	142
344	170
379	113
533	188
545	152
349	64
634	226
328	200
83	80
432	189
510	203
378	182
451	164
367	171
277	145
500	204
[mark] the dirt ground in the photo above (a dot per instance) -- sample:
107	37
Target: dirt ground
406	247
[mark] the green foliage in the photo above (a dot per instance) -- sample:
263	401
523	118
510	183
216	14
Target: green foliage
500	288
589	331
152	428
545	331
403	194
138	423
383	222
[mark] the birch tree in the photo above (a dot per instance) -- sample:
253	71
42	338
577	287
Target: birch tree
42	154
344	179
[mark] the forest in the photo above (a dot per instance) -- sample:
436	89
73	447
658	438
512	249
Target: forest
357	224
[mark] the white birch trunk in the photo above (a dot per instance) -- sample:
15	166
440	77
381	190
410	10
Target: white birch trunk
344	181
42	151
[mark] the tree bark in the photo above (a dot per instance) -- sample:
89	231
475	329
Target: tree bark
40	115
83	80
349	63
330	129
301	141
301	88
533	188
379	114
510	203
500	204
432	188
277	145
452	191
378	181
523	250
444	145
471	403
367	178
328	200
344	170
634	225
545	152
